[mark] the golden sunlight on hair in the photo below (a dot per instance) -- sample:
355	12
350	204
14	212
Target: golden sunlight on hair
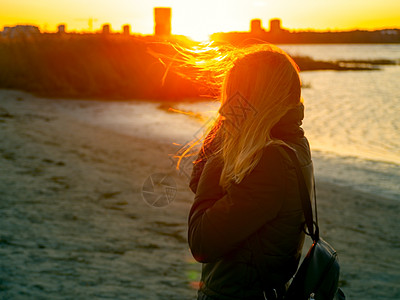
261	87
256	85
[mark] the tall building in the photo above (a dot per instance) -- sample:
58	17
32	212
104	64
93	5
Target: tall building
256	27
275	26
106	29
126	29
162	19
61	28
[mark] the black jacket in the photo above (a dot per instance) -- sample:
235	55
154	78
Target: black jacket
264	209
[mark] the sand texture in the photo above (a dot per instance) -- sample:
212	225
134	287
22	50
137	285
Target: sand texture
74	224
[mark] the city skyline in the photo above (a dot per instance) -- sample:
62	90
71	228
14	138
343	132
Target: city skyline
200	19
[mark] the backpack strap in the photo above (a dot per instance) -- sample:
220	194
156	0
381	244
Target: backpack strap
305	196
308	215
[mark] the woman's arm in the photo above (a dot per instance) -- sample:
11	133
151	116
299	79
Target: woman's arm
219	222
210	146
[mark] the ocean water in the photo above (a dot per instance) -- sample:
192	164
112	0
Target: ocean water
345	51
352	118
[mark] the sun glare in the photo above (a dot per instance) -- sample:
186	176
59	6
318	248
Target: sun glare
200	36
198	20
192	30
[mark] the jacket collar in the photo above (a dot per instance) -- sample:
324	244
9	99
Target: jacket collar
289	124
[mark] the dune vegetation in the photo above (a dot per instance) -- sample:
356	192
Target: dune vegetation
106	67
88	66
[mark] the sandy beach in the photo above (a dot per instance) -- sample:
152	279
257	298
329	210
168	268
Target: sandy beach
74	223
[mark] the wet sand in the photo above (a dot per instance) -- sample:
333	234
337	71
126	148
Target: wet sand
74	223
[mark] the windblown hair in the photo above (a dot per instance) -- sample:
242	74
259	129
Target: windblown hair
260	88
257	85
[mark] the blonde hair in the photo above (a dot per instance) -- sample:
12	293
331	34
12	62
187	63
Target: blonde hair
256	84
260	88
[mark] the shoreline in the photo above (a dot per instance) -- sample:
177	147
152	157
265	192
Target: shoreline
74	222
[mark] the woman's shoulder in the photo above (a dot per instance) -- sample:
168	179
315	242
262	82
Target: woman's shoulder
280	150
273	159
276	151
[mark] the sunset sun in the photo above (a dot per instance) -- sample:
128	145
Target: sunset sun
199	20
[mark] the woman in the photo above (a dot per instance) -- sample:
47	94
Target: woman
246	223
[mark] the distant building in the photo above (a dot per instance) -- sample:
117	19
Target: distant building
106	29
61	28
162	19
126	29
390	31
279	35
19	31
275	26
255	26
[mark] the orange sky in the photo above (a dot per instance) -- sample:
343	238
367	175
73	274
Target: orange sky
202	17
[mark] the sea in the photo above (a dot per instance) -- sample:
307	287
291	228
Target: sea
352	118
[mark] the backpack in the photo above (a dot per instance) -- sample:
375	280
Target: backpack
318	275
